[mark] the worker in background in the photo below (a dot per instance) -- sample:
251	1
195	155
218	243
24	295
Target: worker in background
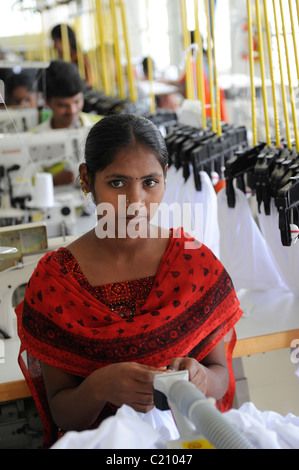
168	99
182	84
63	95
57	40
21	90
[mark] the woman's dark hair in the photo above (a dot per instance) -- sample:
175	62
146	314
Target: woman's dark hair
56	34
25	79
114	133
63	80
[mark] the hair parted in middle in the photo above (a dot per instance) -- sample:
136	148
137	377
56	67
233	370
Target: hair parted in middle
116	132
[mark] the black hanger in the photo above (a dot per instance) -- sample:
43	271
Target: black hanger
241	164
287	203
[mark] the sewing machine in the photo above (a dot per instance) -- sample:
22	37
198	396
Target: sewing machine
20	119
22	155
32	243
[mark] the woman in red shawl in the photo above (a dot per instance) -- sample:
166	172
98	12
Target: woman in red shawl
101	317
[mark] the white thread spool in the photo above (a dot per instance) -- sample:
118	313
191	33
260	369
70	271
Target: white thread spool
43	190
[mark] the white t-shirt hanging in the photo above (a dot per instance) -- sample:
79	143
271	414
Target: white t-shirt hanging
243	249
286	257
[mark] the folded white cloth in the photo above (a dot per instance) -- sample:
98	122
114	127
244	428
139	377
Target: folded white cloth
128	429
266	429
131	430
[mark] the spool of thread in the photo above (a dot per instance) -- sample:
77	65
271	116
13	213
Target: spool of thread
43	190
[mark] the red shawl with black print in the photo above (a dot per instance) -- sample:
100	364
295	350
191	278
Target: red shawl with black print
190	308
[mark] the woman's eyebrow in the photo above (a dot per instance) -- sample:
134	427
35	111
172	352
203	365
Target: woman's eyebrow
128	177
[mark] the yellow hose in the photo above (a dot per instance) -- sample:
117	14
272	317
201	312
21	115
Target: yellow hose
103	57
251	62
294	39
276	116
263	74
132	85
211	81
187	42
117	51
289	78
150	64
66	52
284	98
218	107
200	67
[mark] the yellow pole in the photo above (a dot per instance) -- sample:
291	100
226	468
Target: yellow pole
276	117
251	62
45	54
188	62
284	98
289	78
218	108
117	51
150	64
263	73
80	55
150	81
294	39
100	23
200	67
66	52
132	85
211	80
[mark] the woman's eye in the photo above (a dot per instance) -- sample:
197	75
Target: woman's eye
151	183
116	184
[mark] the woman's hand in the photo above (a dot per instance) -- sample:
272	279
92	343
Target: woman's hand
210	375
75	403
128	383
197	372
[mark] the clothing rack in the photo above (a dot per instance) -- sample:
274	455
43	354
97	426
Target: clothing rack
203	150
269	172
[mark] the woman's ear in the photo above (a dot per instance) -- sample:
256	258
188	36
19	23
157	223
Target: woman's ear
84	178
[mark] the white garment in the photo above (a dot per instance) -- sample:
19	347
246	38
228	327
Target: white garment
128	429
203	224
243	249
286	257
266	429
85	120
131	430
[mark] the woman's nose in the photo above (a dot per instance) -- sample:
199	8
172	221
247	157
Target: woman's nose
136	195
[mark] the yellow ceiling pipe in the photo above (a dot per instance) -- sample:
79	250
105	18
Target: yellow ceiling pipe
119	70
276	114
132	85
289	78
283	92
103	55
263	72
218	107
251	63
188	62
211	74
200	67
